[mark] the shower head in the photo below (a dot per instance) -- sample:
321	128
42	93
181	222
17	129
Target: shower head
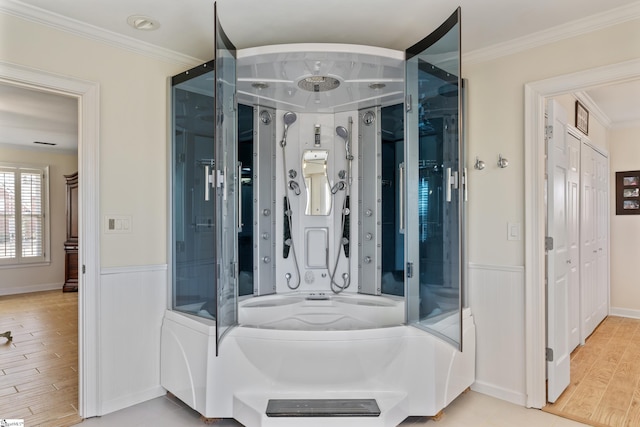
344	134
289	118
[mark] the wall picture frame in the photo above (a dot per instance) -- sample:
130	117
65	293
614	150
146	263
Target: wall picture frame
628	193
582	118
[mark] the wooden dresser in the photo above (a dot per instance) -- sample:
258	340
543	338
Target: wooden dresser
71	242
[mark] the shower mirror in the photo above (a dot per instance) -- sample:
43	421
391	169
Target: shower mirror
314	171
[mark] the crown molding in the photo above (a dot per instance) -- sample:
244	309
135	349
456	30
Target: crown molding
78	28
594	111
571	29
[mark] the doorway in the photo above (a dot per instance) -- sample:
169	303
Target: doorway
535	317
87	94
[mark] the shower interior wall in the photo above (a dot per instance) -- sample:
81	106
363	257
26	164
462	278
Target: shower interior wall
301	138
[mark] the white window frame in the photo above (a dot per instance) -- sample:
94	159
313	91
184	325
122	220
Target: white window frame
19	260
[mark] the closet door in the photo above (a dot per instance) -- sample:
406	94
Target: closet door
594	231
573	238
588	244
602	236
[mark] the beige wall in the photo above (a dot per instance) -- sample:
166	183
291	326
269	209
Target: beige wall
496	125
17	280
625	229
133	111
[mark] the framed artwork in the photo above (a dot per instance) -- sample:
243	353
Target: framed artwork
582	118
628	193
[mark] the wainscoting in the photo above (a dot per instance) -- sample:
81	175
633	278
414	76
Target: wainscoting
132	305
496	298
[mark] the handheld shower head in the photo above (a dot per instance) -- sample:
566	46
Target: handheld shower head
344	134
289	118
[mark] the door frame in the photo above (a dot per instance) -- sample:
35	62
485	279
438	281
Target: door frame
88	97
534	182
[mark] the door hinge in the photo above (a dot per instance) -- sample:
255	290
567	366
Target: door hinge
409	270
408	101
84	269
549	354
219	178
548	243
548	131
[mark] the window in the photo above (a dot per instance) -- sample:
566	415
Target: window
24	231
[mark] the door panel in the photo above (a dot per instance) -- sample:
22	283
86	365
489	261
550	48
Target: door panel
589	244
558	365
602	237
227	181
433	194
573	242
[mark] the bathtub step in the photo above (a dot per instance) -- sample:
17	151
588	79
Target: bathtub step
322	408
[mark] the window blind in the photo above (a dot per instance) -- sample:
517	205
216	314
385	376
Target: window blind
7	214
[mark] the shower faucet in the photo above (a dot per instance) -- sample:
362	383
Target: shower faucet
340	185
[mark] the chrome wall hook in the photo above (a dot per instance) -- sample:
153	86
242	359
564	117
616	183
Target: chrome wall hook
502	162
479	164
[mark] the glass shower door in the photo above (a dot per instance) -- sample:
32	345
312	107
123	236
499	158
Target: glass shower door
193	209
228	181
433	183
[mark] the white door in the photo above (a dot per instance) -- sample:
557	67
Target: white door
573	238
558	353
602	237
589	244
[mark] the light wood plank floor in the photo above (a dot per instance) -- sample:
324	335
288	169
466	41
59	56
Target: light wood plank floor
39	368
605	377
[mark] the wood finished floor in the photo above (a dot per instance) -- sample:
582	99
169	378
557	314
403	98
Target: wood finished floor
39	367
605	377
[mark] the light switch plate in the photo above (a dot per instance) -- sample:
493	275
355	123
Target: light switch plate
513	231
118	224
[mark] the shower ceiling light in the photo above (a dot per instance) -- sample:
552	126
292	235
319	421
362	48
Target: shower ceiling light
143	23
376	86
318	83
259	85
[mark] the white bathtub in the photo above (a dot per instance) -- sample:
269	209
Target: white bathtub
291	347
321	311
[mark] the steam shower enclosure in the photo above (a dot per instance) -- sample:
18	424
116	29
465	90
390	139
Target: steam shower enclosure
317	203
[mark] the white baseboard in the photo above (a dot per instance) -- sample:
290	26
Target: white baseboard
499	393
31	288
624	312
131	399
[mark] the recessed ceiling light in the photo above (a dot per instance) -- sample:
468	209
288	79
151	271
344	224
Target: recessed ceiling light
376	86
143	23
260	85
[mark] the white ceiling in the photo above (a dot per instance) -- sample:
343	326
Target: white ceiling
186	34
27	116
